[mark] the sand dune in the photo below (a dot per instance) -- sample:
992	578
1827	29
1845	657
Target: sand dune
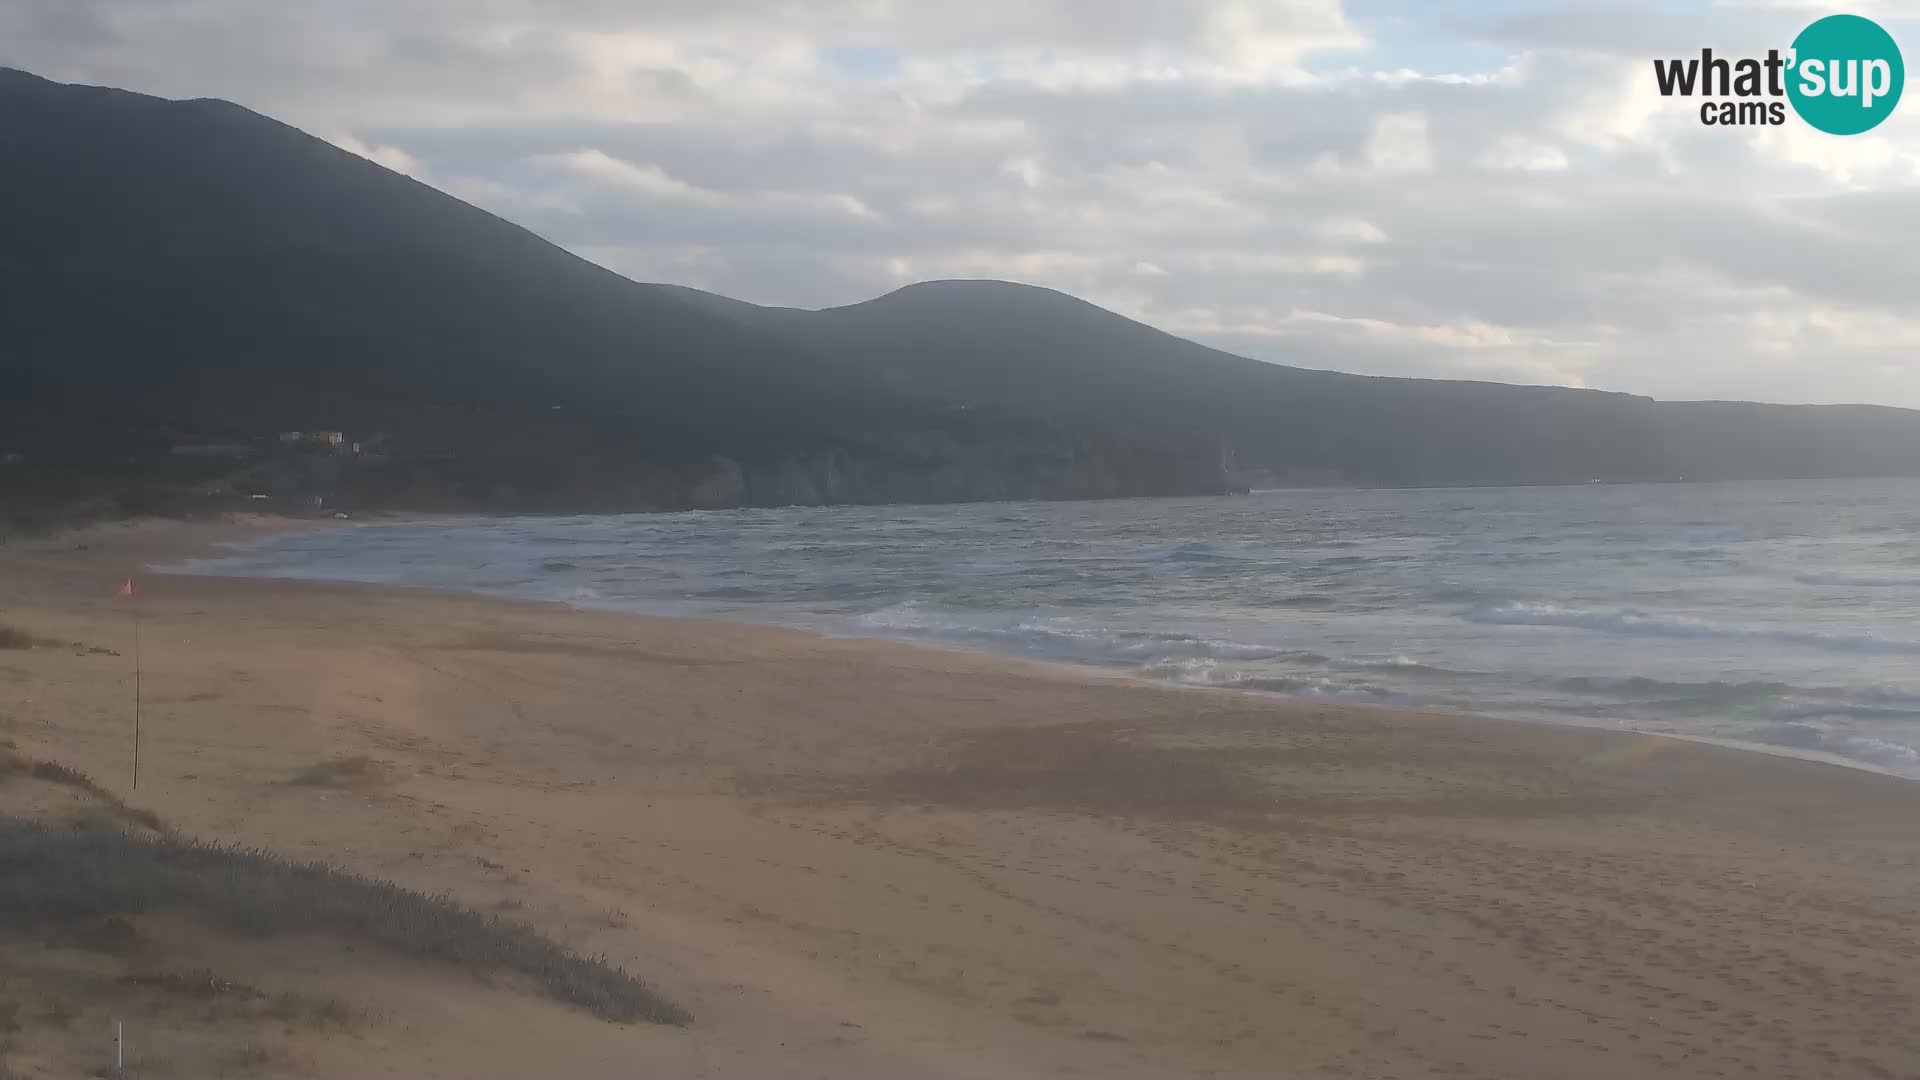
852	858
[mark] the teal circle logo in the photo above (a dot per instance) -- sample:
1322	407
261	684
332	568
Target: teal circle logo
1846	76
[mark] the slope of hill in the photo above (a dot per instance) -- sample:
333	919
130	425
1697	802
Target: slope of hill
1020	347
194	273
188	275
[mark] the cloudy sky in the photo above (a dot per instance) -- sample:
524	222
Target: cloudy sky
1471	188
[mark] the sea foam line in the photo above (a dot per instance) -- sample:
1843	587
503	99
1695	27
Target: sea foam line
1641	624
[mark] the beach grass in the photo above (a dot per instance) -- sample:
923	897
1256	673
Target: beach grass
52	772
12	637
55	876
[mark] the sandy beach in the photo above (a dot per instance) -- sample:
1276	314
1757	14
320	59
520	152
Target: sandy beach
858	858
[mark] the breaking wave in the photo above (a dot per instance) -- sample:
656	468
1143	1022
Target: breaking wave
1862	581
1642	624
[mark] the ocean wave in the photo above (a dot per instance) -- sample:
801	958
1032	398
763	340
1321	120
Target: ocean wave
1310	601
1133	644
1210	673
1880	752
1454	593
1055	637
1641	624
1866	749
1198	553
1812	710
733	592
1318	686
1777	700
1640	686
1889	696
1864	581
1402	665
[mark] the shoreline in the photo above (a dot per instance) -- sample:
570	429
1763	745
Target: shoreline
871	858
1080	668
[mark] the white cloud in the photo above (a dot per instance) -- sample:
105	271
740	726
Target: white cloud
1521	154
391	157
1400	144
1350	230
1857	7
1622	107
1273	262
1026	169
1866	161
652	183
1031	266
647	180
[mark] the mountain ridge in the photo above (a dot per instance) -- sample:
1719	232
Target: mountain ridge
1306	425
918	288
193	272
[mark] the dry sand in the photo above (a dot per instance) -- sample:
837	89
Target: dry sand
852	858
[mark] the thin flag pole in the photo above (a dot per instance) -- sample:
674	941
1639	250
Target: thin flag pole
133	611
136	695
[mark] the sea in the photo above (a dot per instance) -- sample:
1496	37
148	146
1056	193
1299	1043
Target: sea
1780	614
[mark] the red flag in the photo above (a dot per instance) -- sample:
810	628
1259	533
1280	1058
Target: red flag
127	589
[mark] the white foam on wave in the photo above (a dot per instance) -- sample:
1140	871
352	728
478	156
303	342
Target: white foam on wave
1212	673
1641	624
1320	686
1894	762
1889	696
1055	636
1778	699
1904	759
1185	660
1862	581
1403	665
